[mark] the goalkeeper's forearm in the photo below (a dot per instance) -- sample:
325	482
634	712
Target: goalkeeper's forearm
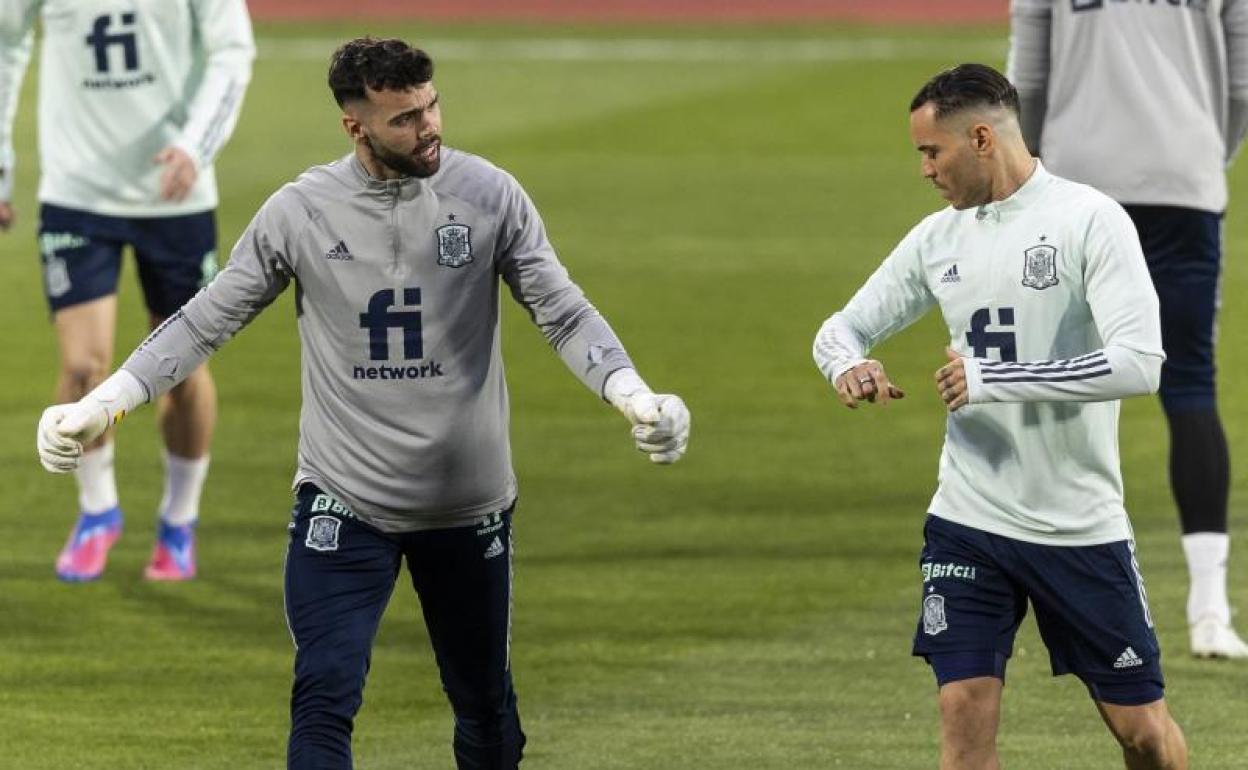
168	355
119	395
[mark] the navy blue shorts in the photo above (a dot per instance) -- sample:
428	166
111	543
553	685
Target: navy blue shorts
81	256
1090	607
1183	248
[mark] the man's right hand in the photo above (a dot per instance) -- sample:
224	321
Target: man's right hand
65	428
866	382
660	425
7	215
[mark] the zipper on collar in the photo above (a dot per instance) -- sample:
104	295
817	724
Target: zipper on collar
393	191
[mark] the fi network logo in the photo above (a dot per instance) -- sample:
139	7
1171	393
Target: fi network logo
381	318
103	38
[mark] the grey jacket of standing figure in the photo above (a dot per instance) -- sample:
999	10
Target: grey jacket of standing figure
405	413
1145	101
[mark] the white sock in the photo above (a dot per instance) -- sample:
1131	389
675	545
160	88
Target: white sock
1206	564
97	487
184	481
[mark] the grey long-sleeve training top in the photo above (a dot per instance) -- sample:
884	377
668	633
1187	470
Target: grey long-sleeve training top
405	413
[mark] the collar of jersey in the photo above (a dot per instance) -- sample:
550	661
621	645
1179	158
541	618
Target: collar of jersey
1024	196
406	188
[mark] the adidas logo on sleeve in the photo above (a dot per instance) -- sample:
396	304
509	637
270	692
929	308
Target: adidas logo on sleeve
951	275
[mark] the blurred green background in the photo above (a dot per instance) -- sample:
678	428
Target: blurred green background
717	193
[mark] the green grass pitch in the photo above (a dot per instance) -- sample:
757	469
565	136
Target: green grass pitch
749	608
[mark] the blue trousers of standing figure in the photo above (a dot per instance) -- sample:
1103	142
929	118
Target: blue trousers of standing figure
340	574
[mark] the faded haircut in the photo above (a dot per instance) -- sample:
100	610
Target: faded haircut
966	86
380	65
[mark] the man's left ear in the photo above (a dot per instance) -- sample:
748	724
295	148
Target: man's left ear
981	137
353	126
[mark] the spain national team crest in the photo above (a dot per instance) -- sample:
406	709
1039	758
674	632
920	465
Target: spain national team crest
934	614
323	533
56	276
454	245
1040	267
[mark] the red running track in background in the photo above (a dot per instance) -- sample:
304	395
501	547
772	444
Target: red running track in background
735	11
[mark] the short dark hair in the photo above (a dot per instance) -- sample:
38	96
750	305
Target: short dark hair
377	64
965	86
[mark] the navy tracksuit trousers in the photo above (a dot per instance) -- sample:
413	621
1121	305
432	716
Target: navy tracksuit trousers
340	573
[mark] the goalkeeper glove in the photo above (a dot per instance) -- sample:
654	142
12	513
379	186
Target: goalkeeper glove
660	421
65	428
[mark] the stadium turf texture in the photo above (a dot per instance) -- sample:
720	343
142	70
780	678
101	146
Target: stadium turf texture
717	193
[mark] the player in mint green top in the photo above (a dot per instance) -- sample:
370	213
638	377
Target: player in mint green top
136	99
1052	318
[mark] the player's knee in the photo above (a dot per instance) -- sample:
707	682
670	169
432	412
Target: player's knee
968	712
1148	735
330	684
966	700
483	707
335	676
80	372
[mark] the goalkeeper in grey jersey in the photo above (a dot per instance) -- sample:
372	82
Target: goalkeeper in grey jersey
396	251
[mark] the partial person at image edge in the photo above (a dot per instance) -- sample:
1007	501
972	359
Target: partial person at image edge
135	103
1148	102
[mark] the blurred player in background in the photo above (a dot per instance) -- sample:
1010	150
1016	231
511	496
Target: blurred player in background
396	251
1147	102
136	98
1053	319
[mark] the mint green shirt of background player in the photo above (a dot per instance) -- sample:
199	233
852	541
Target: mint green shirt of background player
120	84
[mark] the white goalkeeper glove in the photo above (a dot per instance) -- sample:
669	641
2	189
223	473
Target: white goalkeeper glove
660	422
65	428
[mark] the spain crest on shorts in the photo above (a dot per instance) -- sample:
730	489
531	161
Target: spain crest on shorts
1040	267
934	614
454	245
56	276
323	533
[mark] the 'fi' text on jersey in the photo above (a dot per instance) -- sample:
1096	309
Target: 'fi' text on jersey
113	40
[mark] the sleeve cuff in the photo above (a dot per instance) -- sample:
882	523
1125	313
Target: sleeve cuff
840	369
621	384
974	381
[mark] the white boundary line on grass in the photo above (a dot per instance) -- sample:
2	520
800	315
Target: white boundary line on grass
662	50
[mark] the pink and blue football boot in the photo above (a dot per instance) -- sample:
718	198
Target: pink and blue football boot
173	557
86	552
